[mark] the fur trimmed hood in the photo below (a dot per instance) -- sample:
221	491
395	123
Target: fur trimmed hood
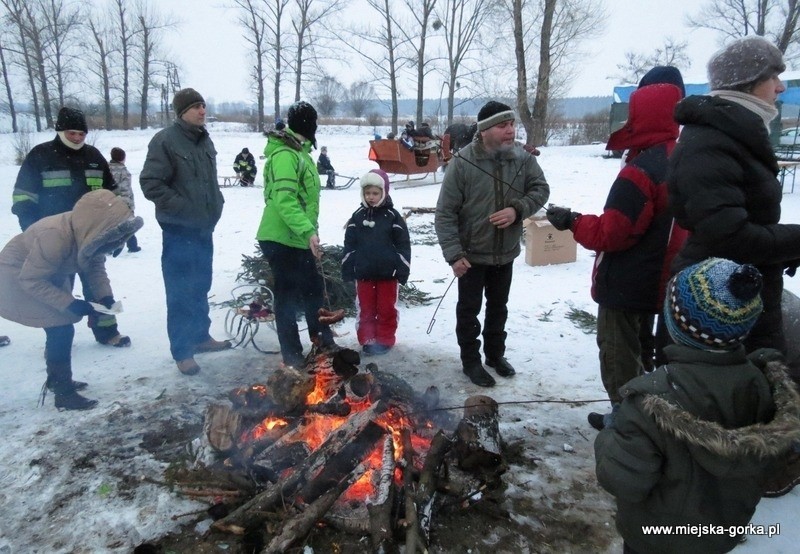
737	451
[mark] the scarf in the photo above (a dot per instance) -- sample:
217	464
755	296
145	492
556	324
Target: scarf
766	111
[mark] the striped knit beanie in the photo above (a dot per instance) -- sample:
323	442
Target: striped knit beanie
712	305
493	113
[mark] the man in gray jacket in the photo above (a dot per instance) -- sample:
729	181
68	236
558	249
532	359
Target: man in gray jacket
180	177
490	186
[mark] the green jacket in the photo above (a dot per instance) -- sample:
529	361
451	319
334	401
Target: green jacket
291	191
692	444
180	177
478	183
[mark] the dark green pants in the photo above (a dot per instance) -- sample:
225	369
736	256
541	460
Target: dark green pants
625	340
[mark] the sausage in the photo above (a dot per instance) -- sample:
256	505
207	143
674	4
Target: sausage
327	317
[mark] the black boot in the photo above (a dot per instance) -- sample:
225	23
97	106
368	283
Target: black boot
76	385
501	366
73	401
474	370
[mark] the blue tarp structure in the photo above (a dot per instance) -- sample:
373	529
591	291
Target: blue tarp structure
790	96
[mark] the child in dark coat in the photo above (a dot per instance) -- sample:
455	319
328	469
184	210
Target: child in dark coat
693	442
377	255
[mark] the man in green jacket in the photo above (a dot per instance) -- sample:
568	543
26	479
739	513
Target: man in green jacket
490	186
180	177
693	442
288	235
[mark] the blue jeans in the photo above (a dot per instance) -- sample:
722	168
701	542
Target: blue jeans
298	287
186	260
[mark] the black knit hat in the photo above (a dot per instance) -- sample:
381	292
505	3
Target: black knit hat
302	119
185	99
117	154
493	113
70	119
665	74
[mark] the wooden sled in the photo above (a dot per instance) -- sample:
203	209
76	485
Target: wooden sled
424	158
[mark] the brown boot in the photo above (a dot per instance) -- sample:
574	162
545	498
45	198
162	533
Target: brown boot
188	366
785	477
212	345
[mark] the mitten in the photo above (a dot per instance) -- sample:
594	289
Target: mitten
80	308
561	218
107	301
790	268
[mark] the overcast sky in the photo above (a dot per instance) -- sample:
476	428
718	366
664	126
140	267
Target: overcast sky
209	45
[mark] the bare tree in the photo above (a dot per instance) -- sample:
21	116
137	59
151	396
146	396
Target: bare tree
360	96
326	97
561	26
462	21
149	25
13	14
61	21
415	35
274	22
775	19
310	13
377	46
7	83
636	64
99	64
252	18
124	34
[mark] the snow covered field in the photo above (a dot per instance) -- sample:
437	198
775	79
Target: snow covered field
84	482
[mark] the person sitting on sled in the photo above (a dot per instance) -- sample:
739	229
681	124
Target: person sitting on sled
245	167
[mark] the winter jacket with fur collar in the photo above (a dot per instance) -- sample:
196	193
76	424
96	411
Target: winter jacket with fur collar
38	267
692	444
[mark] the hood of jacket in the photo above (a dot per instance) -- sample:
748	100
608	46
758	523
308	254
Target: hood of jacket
728	452
650	119
101	222
284	138
731	119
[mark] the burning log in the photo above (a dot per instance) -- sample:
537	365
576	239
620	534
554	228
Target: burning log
380	507
345	362
253	513
288	455
426	491
221	427
300	525
478	442
414	539
289	388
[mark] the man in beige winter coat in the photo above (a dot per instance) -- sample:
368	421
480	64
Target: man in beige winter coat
37	274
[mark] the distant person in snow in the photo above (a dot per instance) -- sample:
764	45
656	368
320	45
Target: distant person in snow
324	167
244	165
37	274
693	441
488	190
408	134
122	177
53	176
635	238
377	256
180	177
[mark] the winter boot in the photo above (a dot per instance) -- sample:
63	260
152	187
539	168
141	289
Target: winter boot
212	345
188	366
501	366
77	385
73	401
474	370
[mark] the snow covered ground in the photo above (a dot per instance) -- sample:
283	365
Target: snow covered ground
86	482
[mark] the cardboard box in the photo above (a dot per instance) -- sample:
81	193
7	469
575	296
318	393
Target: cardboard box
545	245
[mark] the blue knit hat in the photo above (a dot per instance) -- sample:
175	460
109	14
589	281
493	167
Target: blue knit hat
712	305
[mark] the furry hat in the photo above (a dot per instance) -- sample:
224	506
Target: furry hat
712	305
493	113
302	119
185	99
70	119
375	178
743	63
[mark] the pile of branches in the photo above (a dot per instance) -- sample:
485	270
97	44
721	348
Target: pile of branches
256	269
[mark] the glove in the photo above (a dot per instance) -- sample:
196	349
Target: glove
791	267
561	218
107	301
117	252
80	308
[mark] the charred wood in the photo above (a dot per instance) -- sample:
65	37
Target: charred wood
478	443
380	507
